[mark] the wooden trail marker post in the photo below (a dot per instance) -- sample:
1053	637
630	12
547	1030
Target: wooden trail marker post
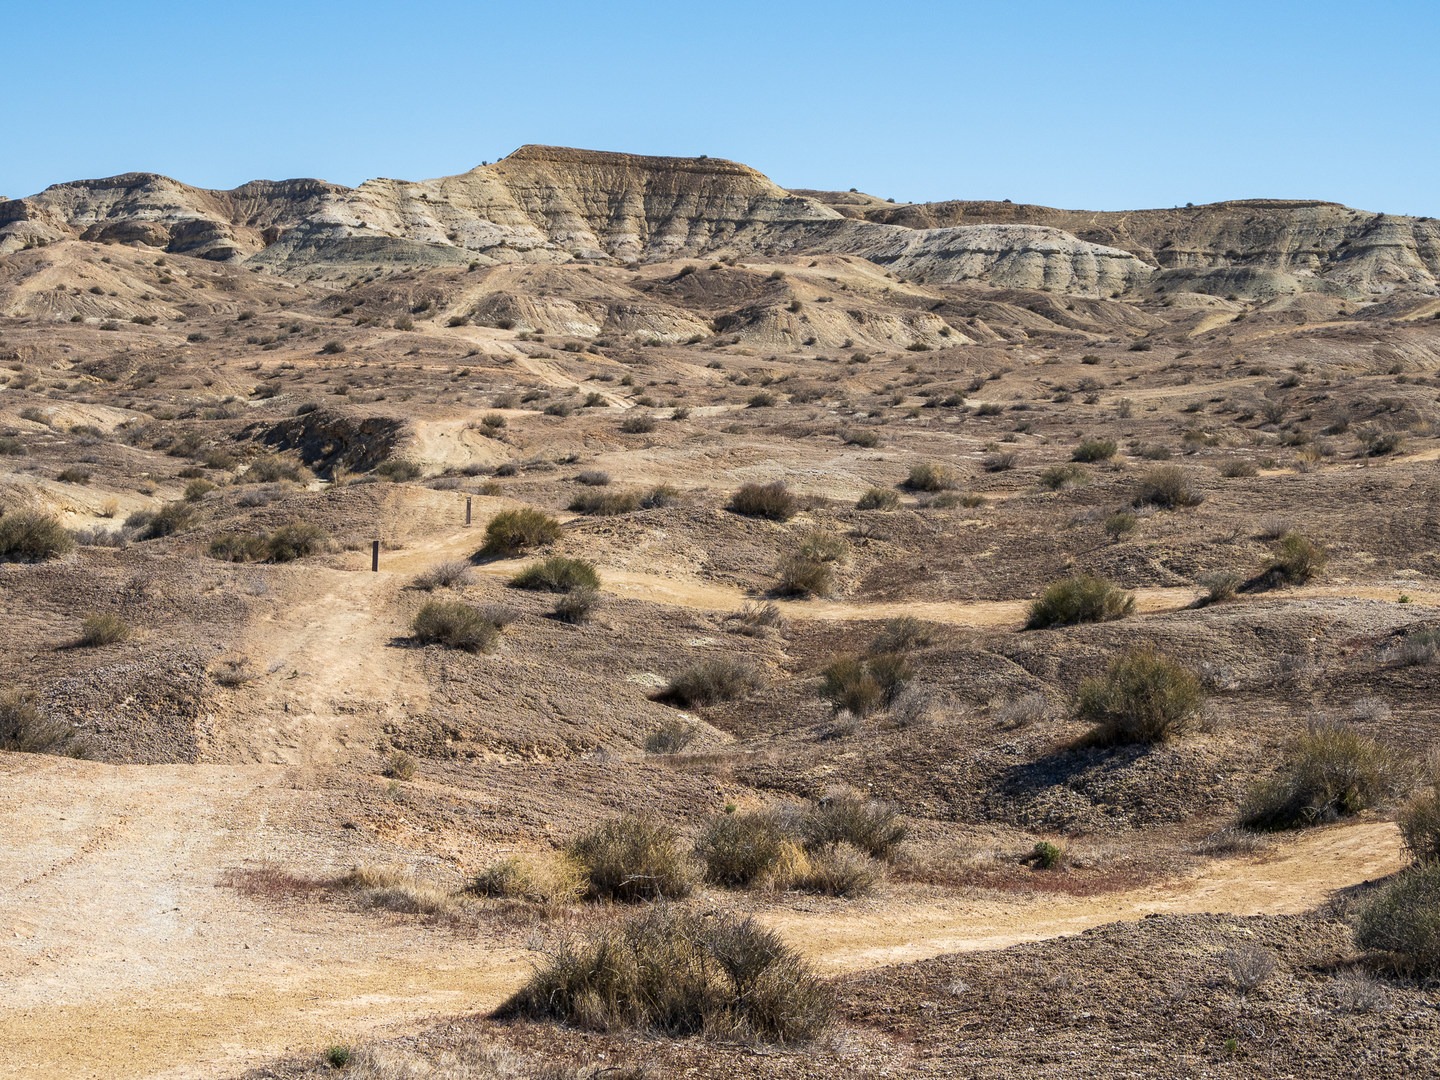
467	509
374	556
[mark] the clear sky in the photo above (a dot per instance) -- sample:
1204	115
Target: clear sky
1077	103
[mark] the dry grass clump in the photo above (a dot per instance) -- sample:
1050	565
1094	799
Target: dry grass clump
756	618
1143	697
24	729
931	476
606	503
1063	477
681	974
272	468
514	532
466	1057
386	889
1081	599
29	537
456	625
1168	488
1420	647
1332	771
673	735
552	879
557	574
877	499
863	684
453	574
1403	919
710	681
772	501
398	765
105	628
233	671
1420	825
576	606
630	859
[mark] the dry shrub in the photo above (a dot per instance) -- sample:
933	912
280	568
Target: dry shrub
398	765
232	672
711	681
1331	772
557	574
802	576
552	879
576	606
1168	488
446	575
513	532
877	499
464	1058
1297	560
105	628
1420	825
1081	599
1022	711
673	735
24	729
27	537
772	501
1063	477
630	859
861	685
606	503
387	889
295	541
1250	966
870	825
1420	647
1403	919
839	869
1219	586
681	974
1093	450
743	849
1143	697
756	617
455	624
931	476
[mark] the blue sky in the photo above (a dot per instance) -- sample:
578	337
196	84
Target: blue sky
1097	105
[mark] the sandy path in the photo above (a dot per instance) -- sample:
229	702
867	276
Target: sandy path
125	959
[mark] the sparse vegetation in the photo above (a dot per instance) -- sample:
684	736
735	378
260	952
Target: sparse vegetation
931	476
1419	822
1168	488
29	537
1403	919
104	628
24	729
1297	560
445	575
711	681
630	858
557	574
878	499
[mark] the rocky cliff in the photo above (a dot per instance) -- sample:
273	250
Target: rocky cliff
552	205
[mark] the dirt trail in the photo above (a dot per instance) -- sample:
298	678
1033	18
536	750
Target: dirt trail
1297	878
126	959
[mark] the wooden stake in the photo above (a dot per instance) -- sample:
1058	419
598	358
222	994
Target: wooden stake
374	556
467	509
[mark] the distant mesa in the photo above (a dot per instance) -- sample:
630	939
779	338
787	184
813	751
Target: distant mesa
547	204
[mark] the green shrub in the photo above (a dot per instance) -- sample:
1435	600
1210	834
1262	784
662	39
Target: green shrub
1420	825
105	628
557	574
878	499
638	423
631	858
168	520
742	849
28	537
1167	487
197	489
24	729
1403	919
930	476
239	547
455	624
1093	450
271	468
1296	560
1331	772
398	470
1080	599
1143	697
1047	855
605	503
873	827
680	973
1121	523
513	532
772	501
711	681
